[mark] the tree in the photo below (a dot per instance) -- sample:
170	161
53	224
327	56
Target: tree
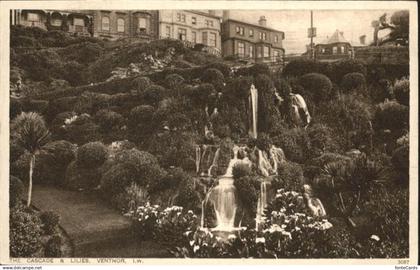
31	133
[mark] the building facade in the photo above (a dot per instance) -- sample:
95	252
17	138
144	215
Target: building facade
115	24
193	27
251	42
109	24
334	48
78	22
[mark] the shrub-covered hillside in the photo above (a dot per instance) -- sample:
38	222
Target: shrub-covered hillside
125	122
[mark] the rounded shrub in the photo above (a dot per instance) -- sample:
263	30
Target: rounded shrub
49	221
153	94
214	77
391	115
297	68
343	67
109	120
353	81
92	155
140	122
172	81
16	190
401	91
200	95
317	86
400	161
140	84
290	177
81	178
63	152
222	67
53	247
25	233
258	69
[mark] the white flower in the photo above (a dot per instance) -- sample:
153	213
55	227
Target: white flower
260	240
146	217
190	212
287	234
218	238
231	236
374	237
192	242
187	233
195	248
297	229
326	225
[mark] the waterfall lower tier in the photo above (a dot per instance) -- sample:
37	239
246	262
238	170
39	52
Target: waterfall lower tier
261	205
225	205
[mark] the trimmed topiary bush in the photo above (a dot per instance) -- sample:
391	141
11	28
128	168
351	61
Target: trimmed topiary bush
214	77
81	178
173	81
353	81
49	221
317	86
140	84
92	155
16	190
391	115
153	94
343	67
140	123
53	247
109	120
290	177
297	68
401	91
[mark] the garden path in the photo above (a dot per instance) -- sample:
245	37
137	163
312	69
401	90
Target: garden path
95	229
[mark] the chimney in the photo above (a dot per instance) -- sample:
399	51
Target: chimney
342	33
362	40
226	15
262	21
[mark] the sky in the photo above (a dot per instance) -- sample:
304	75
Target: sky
294	23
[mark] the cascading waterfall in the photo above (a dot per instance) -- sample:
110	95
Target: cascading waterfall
214	162
261	205
253	99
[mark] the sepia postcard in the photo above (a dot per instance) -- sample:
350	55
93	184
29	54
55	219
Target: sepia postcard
239	132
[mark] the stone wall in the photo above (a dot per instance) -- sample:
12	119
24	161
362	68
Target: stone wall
383	55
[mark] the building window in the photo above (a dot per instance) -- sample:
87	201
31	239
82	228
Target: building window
182	34
204	38
209	23
79	22
193	20
105	23
334	50
142	24
259	52
212	39
56	22
121	25
263	36
180	17
251	51
276	54
276	38
251	32
241	49
168	31
240	30
266	51
194	37
342	49
33	17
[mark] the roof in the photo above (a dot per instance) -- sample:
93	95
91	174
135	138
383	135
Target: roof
337	37
255	25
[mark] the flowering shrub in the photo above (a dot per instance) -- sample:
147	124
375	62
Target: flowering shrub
164	225
402	91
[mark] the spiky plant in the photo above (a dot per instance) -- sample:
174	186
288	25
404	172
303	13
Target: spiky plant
30	131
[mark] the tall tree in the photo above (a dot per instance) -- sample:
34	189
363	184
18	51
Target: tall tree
30	131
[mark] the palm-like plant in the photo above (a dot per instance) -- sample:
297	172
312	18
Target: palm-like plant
351	182
30	131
